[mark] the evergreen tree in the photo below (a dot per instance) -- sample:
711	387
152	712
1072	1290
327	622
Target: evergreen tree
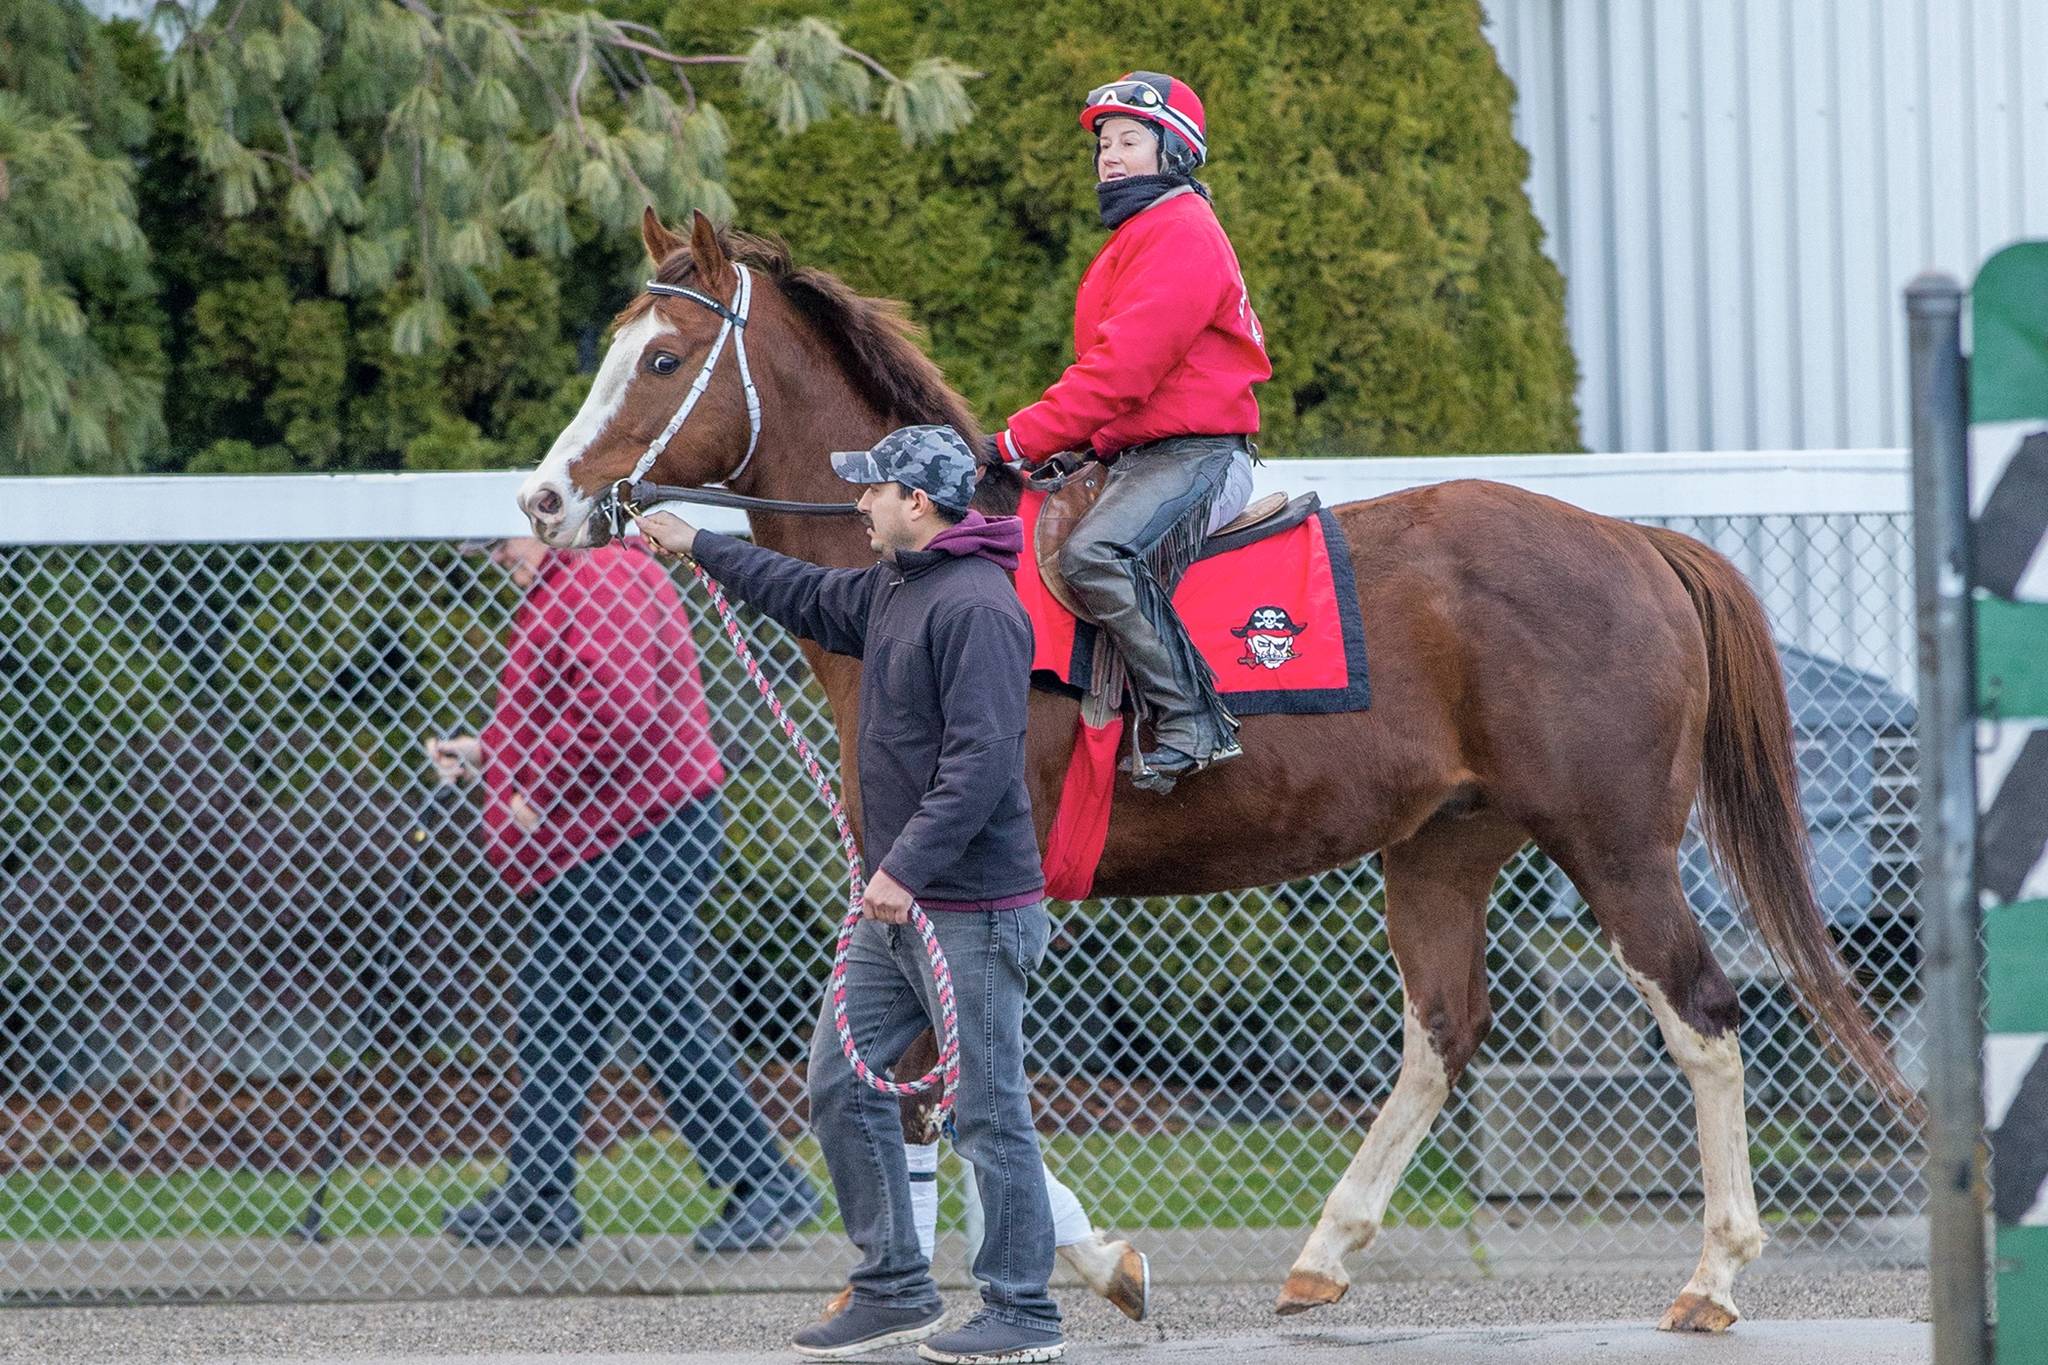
293	305
415	142
410	152
1362	160
81	381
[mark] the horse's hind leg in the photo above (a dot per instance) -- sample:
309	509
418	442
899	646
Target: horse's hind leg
1438	883
1660	946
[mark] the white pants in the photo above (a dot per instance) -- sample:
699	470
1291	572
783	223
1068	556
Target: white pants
1236	494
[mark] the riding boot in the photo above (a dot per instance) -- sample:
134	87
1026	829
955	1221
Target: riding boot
1123	562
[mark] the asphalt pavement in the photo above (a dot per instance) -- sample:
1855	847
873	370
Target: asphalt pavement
1792	1317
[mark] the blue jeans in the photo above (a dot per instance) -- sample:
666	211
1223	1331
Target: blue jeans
614	941
888	1003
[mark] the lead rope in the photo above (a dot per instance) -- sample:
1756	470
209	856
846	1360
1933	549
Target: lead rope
945	1072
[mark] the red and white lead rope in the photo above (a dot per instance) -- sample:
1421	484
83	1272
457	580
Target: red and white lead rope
944	1074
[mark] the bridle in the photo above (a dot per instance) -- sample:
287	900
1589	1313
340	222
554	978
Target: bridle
626	496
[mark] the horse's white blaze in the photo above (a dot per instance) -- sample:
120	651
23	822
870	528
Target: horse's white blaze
600	405
1735	1234
1352	1214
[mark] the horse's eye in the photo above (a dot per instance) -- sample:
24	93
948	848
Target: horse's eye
663	363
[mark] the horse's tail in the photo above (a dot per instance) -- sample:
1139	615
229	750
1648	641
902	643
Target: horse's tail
1750	804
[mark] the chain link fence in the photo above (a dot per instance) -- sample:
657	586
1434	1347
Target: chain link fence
244	936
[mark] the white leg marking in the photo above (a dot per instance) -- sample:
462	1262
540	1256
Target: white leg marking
1070	1223
1109	1268
1352	1214
1735	1234
1094	1259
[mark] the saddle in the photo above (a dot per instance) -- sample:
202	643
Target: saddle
1072	491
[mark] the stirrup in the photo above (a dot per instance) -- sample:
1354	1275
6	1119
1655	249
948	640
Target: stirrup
1159	770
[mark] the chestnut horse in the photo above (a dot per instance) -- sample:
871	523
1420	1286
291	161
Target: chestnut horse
1539	673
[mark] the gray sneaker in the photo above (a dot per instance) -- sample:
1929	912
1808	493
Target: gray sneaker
862	1327
762	1220
986	1339
510	1218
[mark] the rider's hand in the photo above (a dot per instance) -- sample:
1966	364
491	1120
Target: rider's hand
1059	465
887	899
667	534
456	758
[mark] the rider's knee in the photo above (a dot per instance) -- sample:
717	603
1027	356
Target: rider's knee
1084	562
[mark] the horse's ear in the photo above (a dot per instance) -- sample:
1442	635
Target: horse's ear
661	243
713	269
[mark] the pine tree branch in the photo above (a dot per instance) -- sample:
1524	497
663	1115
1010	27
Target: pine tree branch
608	65
297	171
576	112
677	59
576	87
547	86
871	64
438	22
622	26
632	26
291	142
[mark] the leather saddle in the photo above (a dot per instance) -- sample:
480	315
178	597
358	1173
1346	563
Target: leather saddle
1072	492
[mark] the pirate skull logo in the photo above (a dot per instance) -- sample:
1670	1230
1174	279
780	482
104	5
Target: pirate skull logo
1268	635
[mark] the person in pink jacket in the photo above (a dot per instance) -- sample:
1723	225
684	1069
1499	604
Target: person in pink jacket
601	779
1166	351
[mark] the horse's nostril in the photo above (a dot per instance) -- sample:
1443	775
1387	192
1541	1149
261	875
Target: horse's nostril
547	503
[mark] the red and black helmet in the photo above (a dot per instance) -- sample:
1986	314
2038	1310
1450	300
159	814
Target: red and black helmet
1165	103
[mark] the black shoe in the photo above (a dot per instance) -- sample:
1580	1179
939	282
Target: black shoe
762	1220
862	1327
986	1339
504	1219
1165	765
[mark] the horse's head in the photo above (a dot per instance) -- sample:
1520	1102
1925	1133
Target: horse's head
662	346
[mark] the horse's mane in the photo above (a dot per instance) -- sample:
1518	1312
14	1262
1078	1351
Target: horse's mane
878	345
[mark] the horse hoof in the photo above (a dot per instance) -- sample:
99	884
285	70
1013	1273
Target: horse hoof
838	1304
1130	1289
1305	1289
1697	1313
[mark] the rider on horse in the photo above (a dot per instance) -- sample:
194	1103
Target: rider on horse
1166	350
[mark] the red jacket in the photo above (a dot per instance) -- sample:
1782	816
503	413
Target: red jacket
600	722
1165	342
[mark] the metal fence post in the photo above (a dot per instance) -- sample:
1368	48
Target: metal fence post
1952	962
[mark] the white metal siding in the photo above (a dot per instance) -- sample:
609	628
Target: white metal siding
1737	190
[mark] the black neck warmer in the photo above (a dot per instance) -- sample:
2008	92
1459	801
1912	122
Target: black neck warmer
1124	199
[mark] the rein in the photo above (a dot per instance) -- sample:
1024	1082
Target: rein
644	495
621	501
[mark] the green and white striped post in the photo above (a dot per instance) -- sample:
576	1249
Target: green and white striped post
2009	494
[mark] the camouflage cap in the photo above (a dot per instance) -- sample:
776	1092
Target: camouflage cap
933	458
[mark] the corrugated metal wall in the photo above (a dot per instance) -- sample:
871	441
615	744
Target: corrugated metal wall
1737	190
